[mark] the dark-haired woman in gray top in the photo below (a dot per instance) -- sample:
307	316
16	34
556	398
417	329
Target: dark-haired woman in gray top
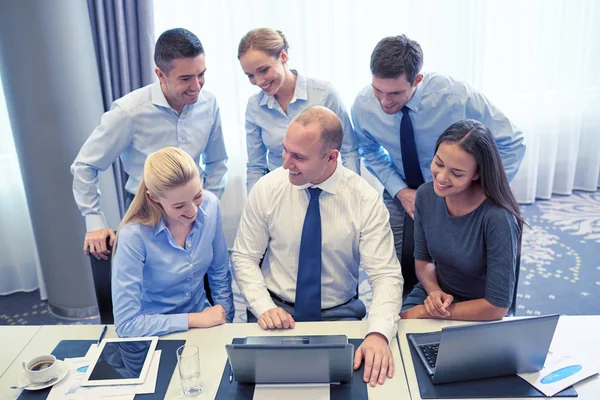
467	231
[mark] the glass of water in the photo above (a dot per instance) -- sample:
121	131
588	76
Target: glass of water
188	361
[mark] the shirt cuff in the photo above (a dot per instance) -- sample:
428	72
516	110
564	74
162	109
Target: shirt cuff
178	322
263	306
385	327
393	186
94	222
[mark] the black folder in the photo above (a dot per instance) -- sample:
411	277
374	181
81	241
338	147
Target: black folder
78	348
354	390
504	386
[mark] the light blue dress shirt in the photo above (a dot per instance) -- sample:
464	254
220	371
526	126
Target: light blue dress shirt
266	125
141	123
438	102
156	282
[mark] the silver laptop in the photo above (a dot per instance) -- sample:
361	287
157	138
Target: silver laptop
461	353
292	359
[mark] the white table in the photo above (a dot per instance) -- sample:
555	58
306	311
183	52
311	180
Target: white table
13	340
212	352
213	356
44	341
576	335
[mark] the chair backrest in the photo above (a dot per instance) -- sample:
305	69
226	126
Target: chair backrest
101	272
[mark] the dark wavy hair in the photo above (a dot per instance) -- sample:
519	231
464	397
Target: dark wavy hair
476	139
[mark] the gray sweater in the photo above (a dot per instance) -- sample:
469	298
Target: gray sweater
474	254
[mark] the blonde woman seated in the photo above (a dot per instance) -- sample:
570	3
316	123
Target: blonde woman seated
170	237
467	229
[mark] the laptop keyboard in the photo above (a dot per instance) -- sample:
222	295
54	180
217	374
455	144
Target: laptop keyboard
430	351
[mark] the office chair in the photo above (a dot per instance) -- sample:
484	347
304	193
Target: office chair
101	272
407	263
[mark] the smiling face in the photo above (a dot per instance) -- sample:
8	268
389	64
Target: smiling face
184	81
265	71
453	170
180	204
394	93
303	155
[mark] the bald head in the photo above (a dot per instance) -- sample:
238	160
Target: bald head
332	132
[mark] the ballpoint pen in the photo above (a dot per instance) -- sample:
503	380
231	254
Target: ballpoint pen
102	335
230	371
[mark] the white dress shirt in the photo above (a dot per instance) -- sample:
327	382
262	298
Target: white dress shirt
355	231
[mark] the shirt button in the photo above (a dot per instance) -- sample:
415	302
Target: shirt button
190	265
188	294
189	279
189	245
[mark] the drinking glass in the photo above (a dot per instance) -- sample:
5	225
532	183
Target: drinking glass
188	361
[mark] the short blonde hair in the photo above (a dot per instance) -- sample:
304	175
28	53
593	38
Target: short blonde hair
268	40
164	170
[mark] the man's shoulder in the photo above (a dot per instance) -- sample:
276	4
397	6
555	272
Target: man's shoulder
136	98
444	85
271	183
358	185
364	96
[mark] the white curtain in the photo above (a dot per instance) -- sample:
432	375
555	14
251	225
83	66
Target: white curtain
19	263
538	61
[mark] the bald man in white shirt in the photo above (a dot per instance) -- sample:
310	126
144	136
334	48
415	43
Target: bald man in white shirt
318	222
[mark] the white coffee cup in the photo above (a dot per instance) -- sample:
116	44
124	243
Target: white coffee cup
41	368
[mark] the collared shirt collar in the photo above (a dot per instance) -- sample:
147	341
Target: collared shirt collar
159	99
329	185
300	91
415	102
161	226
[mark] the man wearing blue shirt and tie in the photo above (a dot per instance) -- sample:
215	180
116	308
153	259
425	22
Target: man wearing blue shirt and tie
398	119
174	111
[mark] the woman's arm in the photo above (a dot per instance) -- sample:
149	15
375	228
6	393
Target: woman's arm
219	275
476	310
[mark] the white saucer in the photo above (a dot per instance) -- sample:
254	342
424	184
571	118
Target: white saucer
22	379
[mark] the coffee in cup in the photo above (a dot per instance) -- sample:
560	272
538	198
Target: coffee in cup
41	368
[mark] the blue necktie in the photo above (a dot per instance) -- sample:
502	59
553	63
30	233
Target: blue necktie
307	306
410	159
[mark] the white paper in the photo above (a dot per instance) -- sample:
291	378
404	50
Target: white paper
70	388
559	372
292	392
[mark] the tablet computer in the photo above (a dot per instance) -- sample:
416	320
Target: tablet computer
121	361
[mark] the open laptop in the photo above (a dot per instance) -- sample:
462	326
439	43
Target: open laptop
292	359
461	353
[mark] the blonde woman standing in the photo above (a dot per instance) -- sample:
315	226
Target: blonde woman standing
170	237
263	55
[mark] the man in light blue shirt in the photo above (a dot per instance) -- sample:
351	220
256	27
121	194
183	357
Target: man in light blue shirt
433	102
266	124
172	112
